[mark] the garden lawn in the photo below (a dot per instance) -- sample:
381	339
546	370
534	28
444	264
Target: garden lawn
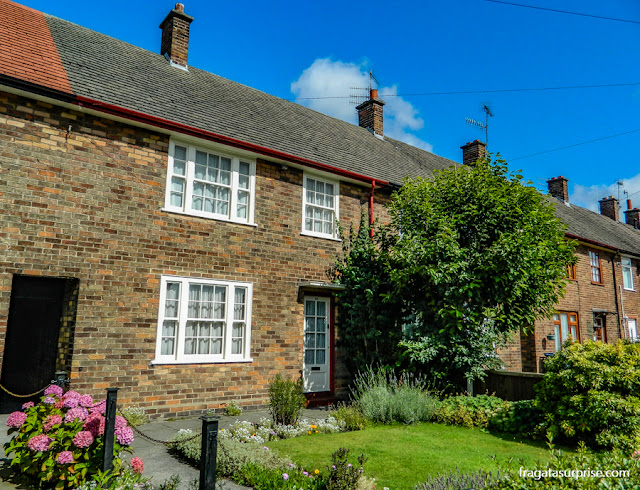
400	456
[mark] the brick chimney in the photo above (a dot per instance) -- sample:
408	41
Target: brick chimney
175	36
632	216
558	188
473	151
609	208
370	113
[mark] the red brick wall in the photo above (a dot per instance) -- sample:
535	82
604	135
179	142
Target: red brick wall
86	203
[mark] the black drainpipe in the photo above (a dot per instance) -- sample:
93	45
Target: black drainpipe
615	291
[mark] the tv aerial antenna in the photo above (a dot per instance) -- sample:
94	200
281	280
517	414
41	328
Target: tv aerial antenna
487	114
362	94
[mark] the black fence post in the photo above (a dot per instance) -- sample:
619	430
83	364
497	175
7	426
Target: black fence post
109	429
61	378
208	452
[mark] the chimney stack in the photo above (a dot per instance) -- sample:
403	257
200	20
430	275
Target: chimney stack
609	208
558	188
632	216
473	151
370	113
175	36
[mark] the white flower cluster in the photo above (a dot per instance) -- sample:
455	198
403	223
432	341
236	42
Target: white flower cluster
265	430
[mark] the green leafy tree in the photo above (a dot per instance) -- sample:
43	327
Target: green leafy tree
477	254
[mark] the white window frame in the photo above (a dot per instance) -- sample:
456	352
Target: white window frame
189	178
628	266
178	356
335	209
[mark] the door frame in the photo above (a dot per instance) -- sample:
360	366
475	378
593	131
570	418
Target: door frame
330	344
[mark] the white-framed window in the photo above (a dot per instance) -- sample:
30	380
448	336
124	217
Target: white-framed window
627	273
210	184
320	207
596	267
203	320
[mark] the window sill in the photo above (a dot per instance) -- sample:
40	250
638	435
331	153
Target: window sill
156	362
630	290
317	235
597	283
213	218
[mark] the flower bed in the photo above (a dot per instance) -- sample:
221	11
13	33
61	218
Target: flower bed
61	439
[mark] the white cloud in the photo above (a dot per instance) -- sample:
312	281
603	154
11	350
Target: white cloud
588	196
328	78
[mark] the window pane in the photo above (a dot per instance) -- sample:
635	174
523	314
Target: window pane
311	185
180	152
190	330
243	181
320	340
166	349
239	304
179	166
557	335
564	323
310	308
309	356
310	340
216	346
320	325
320	357
236	346
203	346
322	308
189	346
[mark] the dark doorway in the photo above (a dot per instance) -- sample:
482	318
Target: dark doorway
33	331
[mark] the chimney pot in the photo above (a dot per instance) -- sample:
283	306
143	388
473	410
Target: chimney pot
370	114
609	208
632	215
175	36
558	188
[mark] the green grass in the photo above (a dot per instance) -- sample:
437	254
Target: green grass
401	456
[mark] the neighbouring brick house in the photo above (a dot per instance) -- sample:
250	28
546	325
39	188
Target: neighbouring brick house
602	299
167	231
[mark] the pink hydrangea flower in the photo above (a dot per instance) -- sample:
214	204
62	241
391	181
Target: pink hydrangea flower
71	394
51	421
59	403
41	442
83	439
79	413
28	405
53	390
49	400
65	457
16	419
99	407
70	402
136	465
124	435
94	423
85	401
120	422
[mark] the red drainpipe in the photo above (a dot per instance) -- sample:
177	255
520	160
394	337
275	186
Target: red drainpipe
371	215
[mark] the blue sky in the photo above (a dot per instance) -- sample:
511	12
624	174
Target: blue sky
299	49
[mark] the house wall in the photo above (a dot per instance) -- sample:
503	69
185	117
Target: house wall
583	297
81	197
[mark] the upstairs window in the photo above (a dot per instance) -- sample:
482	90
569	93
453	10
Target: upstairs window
627	273
210	184
596	268
203	320
320	207
571	272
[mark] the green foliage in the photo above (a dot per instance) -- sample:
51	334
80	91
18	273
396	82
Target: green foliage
478	255
286	400
125	480
370	319
48	446
455	480
384	397
522	418
468	411
233	409
582	468
135	416
342	475
591	392
349	415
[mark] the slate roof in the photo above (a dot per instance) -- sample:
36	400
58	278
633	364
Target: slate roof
598	229
114	72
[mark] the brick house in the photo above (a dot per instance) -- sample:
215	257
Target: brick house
602	298
167	231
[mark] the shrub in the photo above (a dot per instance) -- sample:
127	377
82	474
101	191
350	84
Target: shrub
522	418
135	416
342	474
591	392
460	481
548	474
468	411
60	440
349	416
286	400
384	397
233	409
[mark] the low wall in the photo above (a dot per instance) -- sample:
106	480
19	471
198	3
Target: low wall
508	385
